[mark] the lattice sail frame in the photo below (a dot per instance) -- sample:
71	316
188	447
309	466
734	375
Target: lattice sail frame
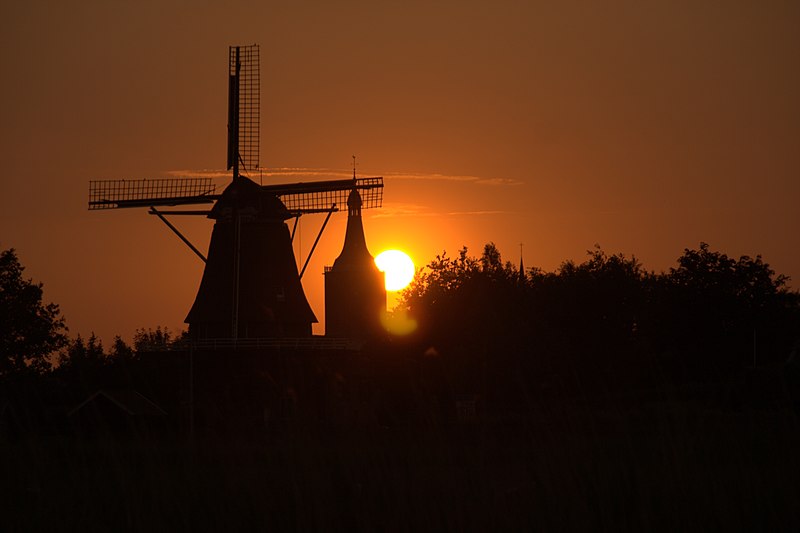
321	196
115	194
299	198
249	117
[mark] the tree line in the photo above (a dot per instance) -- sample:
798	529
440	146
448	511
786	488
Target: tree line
706	318
606	321
35	346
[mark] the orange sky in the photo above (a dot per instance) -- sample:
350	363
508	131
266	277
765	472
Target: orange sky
646	127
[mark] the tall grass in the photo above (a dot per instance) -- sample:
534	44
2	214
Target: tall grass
671	465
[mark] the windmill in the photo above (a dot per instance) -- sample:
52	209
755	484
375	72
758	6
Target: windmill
251	286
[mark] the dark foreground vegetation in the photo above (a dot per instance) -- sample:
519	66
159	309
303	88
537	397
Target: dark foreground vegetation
600	396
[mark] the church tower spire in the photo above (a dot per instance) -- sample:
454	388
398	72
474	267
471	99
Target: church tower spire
355	292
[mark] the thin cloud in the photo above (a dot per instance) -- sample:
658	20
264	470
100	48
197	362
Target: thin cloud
413	210
329	173
476	213
205	173
399	210
428	176
498	181
388	210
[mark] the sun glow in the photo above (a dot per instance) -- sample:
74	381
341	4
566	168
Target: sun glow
398	268
398	322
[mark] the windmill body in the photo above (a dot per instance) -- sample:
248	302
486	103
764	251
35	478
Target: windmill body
251	287
268	300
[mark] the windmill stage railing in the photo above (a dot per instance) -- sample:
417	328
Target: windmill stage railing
115	194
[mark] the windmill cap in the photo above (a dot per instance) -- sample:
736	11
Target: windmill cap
244	193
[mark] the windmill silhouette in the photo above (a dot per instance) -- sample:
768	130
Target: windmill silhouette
251	286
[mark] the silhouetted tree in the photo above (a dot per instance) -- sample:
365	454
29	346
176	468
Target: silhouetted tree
82	365
468	310
158	340
29	329
120	351
149	340
583	320
82	355
607	322
715	311
596	302
465	296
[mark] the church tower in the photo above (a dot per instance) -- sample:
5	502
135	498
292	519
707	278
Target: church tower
355	291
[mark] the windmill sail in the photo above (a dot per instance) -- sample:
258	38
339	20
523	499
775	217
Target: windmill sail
115	194
320	196
244	105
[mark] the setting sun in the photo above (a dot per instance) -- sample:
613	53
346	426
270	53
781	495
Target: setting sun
398	267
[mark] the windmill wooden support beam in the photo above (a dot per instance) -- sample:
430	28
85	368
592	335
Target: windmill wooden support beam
316	241
160	215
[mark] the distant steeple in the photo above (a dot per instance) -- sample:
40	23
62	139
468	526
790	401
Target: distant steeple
521	267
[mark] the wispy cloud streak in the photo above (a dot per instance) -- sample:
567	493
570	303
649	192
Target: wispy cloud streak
294	173
389	210
448	177
300	173
413	210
